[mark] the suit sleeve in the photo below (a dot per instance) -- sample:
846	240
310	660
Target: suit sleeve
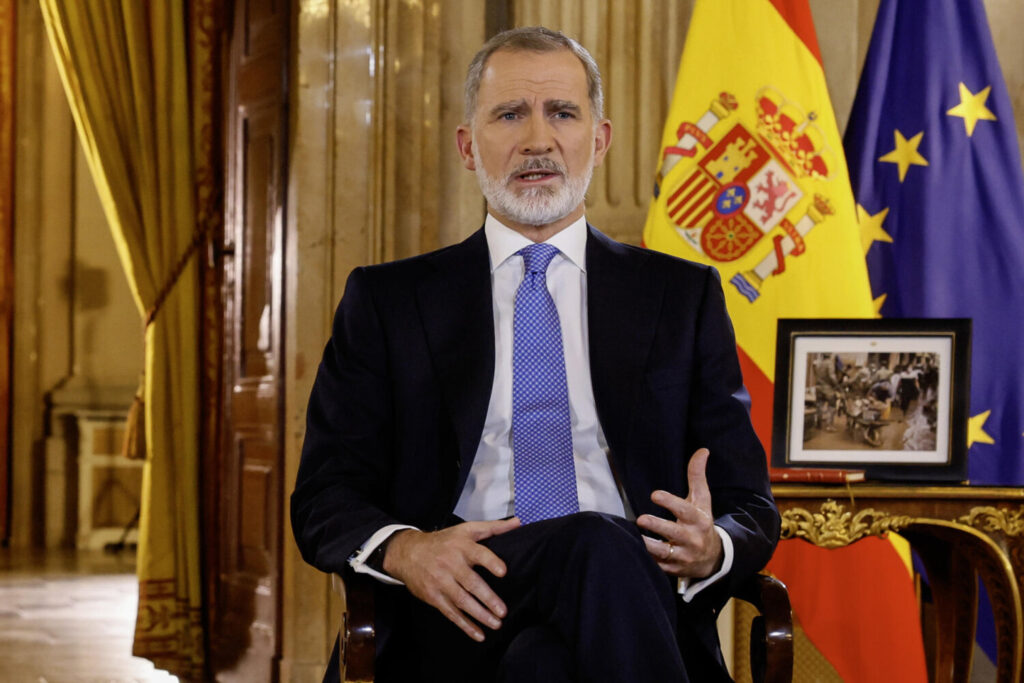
347	461
719	419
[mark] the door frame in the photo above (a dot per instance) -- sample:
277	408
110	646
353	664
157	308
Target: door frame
230	657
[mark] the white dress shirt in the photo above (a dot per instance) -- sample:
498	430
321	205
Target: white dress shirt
489	491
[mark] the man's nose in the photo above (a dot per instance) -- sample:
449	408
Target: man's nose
538	137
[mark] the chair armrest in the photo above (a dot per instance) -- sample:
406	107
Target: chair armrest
771	638
357	649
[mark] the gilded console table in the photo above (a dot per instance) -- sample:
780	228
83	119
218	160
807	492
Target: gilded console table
959	532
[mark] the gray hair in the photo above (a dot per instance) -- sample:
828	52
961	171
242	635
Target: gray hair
533	39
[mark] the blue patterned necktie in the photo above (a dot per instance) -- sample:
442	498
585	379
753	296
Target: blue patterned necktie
545	478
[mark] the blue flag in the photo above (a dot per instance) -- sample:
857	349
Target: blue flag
936	174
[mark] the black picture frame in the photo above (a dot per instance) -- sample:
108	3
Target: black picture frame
833	409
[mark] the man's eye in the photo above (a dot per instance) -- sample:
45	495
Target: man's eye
508	116
564	115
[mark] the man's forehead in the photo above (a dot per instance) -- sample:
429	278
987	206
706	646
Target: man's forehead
519	74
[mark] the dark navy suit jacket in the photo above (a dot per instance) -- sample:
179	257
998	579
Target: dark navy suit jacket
399	402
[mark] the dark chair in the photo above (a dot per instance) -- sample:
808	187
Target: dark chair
771	633
955	557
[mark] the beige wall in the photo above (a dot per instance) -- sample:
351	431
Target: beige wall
107	342
77	336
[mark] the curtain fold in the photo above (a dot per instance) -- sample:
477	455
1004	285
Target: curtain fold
145	119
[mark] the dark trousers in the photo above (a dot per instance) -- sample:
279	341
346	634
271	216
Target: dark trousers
586	603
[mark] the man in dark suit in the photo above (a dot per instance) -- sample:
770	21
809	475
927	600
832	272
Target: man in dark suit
512	434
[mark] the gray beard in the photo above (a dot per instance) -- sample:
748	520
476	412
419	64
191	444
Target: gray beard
538	205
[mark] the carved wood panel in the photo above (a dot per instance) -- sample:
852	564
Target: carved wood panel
425	198
246	625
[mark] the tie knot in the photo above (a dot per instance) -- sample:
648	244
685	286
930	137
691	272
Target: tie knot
536	257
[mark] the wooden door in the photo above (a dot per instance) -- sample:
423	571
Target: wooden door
246	607
7	33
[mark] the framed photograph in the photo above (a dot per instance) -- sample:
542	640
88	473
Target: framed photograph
889	396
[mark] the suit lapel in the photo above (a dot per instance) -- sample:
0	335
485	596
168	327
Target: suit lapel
623	300
457	314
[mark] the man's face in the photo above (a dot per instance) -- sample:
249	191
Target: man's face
533	141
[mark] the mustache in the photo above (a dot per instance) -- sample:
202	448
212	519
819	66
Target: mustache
537	164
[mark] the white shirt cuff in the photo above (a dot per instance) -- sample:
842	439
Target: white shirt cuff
359	557
688	591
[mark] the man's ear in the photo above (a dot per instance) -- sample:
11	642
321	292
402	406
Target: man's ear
602	140
464	141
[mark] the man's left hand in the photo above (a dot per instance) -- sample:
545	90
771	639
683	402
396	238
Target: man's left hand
692	548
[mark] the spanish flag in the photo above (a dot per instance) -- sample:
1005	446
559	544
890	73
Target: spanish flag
753	181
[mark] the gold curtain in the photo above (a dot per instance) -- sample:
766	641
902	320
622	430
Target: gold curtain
139	78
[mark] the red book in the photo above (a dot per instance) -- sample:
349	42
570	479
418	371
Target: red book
813	475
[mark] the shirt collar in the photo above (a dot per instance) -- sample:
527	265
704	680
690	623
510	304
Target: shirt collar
503	242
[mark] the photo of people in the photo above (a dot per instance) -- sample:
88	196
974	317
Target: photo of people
885	396
871	400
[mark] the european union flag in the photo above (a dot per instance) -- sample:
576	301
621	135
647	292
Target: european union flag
936	173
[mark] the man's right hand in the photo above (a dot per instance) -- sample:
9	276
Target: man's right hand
438	568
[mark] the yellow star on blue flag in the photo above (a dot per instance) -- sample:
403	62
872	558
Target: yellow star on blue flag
976	429
905	154
871	229
972	108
